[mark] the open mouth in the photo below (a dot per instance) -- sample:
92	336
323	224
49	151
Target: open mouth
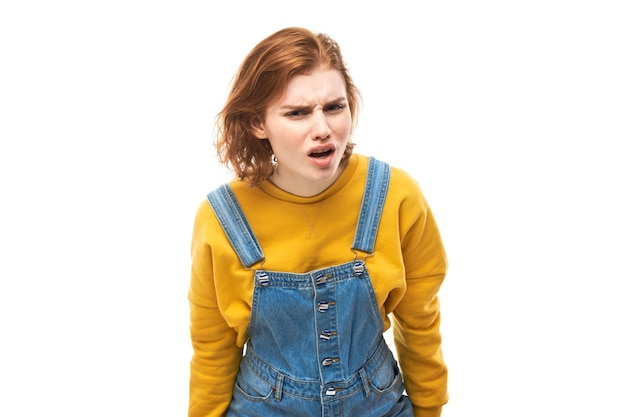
321	153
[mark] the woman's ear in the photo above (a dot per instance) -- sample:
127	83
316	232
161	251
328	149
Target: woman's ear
258	128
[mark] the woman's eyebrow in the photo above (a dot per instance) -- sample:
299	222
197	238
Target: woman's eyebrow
288	106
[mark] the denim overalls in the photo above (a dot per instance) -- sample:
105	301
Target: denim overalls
315	343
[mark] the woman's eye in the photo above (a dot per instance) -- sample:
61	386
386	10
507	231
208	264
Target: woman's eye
296	113
335	107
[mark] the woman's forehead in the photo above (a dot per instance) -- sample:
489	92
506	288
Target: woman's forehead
322	83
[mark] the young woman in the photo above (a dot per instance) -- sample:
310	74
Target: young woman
301	262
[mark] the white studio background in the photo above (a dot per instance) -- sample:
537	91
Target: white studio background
511	115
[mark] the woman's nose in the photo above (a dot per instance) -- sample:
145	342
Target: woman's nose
321	129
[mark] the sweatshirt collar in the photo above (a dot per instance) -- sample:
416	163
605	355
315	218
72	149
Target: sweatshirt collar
347	174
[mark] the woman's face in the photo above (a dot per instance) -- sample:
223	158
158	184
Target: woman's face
308	128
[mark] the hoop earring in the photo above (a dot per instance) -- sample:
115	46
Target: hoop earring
274	160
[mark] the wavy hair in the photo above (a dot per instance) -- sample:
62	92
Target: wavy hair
260	81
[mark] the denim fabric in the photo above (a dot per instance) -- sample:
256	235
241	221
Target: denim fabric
235	225
315	339
374	196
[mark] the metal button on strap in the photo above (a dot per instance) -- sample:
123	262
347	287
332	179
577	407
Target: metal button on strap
263	278
358	268
329	361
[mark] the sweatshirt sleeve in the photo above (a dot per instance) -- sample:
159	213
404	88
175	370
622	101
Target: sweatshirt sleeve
216	356
417	317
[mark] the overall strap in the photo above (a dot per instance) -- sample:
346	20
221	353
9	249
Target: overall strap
235	225
374	196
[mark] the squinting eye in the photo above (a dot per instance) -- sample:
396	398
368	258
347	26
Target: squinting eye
335	107
296	113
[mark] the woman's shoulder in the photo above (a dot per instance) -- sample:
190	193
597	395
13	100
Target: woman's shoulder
204	209
403	186
400	177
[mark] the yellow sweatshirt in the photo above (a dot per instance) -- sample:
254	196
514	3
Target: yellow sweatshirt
300	234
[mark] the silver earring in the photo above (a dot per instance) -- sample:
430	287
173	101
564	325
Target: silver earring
274	160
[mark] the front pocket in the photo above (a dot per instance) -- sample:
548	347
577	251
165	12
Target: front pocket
253	387
387	377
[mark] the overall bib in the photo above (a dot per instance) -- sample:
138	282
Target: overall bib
315	344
